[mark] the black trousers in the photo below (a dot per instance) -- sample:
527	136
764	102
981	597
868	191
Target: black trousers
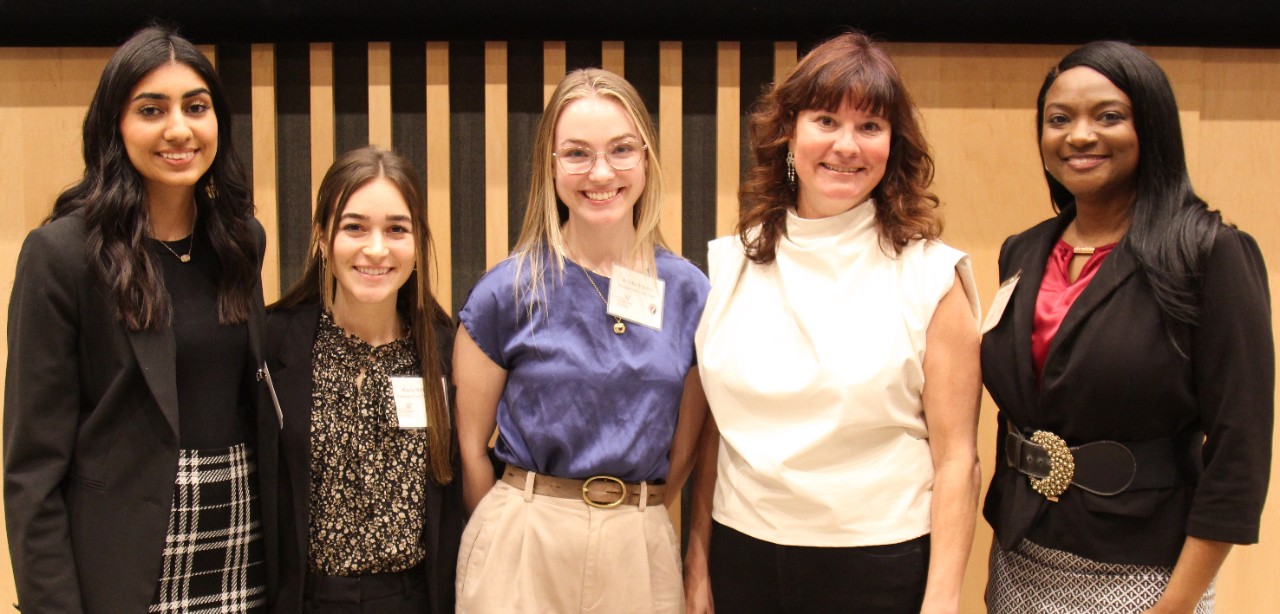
750	576
403	592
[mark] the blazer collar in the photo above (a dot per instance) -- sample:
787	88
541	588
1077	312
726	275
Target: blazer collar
157	355
1115	270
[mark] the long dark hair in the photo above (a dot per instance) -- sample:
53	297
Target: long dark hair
350	172
849	67
113	197
1172	228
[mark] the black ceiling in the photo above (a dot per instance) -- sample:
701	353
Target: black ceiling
1230	23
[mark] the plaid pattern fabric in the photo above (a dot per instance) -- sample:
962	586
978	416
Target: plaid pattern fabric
1033	578
213	556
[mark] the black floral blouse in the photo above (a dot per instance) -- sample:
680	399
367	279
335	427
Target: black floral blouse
368	476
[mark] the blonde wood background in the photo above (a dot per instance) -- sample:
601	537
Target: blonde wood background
977	102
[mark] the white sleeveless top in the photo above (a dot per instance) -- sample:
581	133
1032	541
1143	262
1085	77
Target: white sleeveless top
813	367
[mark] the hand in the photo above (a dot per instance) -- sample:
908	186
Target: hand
697	596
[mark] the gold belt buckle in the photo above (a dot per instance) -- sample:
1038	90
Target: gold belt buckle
1062	466
586	485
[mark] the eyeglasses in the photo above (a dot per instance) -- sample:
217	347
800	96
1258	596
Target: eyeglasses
578	160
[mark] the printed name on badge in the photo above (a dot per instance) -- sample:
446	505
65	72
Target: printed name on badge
1000	302
411	402
636	297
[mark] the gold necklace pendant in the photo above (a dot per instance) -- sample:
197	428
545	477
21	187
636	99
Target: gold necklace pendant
619	327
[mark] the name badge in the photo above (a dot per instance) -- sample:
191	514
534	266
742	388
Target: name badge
636	297
1000	302
411	402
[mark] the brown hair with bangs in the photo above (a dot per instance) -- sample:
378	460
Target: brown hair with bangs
849	67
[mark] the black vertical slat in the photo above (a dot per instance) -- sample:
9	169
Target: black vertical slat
409	103
581	54
756	75
524	109
293	157
641	63
466	165
350	96
235	70
699	193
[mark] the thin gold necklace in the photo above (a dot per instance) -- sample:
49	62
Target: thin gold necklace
191	247
618	326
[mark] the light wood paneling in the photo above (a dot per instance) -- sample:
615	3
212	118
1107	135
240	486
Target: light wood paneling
976	105
321	91
728	137
784	59
553	68
380	94
264	162
495	152
671	141
613	57
438	192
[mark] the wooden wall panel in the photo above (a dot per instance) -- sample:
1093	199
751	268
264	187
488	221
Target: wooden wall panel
467	111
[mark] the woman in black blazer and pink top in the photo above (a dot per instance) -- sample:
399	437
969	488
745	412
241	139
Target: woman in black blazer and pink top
1133	365
370	512
131	394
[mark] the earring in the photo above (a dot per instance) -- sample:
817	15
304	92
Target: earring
791	171
210	189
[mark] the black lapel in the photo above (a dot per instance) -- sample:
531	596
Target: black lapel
1032	261
157	355
1119	266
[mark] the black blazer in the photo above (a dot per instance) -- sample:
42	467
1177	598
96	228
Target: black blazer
1113	373
291	333
91	435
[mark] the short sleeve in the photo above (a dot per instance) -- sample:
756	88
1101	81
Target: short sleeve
943	264
489	314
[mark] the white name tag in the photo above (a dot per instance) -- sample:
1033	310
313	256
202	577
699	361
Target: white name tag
411	402
1000	302
636	297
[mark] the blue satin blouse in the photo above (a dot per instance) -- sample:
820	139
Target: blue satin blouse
581	400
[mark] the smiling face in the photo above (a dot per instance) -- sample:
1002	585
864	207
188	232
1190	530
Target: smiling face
840	158
373	247
169	129
603	197
1088	139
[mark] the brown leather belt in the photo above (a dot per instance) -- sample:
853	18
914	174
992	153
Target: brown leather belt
597	491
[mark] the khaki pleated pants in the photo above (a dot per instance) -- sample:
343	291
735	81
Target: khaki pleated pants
532	553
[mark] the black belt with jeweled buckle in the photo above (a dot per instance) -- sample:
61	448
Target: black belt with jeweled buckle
1104	468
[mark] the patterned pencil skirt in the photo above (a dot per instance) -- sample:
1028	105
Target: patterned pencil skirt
213	554
1035	579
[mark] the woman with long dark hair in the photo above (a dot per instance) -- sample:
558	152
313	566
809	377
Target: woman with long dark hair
838	351
1133	365
131	435
369	519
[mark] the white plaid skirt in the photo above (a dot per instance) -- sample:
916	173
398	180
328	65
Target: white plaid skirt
213	555
1032	579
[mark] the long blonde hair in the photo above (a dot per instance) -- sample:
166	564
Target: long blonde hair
540	236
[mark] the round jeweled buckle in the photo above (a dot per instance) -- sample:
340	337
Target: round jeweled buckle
586	486
1062	466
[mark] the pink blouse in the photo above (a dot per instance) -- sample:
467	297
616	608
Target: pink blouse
1057	293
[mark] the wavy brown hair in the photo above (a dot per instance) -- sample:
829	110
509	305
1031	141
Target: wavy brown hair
848	68
350	172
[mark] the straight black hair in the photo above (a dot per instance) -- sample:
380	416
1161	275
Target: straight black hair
1172	229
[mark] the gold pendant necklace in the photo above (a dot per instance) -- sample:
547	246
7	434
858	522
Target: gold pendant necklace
618	326
191	247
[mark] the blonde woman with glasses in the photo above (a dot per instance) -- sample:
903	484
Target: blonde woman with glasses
579	348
